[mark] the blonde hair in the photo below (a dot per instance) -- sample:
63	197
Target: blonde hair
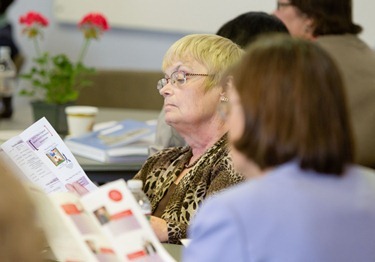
214	52
20	238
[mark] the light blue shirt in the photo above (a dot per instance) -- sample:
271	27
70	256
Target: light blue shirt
289	215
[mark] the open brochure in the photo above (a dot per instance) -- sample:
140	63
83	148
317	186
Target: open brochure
104	225
125	141
39	155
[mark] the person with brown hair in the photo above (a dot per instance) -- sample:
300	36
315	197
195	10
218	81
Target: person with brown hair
329	23
20	238
290	131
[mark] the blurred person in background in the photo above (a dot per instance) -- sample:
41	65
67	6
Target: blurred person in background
329	23
7	39
20	238
245	28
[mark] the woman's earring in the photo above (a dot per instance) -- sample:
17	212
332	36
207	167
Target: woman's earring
224	99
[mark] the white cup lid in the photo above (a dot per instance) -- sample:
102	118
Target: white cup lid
83	110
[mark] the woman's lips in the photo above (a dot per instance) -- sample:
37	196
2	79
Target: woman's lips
168	106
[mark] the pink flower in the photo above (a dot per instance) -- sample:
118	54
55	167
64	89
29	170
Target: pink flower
93	25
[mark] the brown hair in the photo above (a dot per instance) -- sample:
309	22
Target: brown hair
294	104
20	239
331	17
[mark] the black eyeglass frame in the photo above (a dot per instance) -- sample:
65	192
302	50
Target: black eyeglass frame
174	78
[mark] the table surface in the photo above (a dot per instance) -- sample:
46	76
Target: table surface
174	250
22	116
97	171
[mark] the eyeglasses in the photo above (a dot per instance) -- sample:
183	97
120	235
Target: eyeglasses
280	4
177	78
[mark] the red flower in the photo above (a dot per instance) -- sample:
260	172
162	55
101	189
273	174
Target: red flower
33	22
93	25
57	76
95	19
32	18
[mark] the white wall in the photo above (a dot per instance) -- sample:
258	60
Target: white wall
118	48
166	15
132	48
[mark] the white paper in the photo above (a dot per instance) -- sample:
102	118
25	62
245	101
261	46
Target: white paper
40	155
124	224
72	234
106	224
185	241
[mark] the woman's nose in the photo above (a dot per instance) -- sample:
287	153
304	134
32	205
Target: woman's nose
166	90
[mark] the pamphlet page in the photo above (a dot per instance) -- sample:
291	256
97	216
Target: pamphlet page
72	233
123	222
41	156
104	225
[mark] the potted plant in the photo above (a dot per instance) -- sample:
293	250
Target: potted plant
55	79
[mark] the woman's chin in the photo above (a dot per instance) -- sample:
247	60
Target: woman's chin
169	120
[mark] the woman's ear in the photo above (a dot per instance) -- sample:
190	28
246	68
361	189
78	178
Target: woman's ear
309	28
227	84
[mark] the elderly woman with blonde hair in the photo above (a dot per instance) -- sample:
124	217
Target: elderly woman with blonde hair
178	179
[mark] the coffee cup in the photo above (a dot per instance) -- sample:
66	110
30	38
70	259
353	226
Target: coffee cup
81	119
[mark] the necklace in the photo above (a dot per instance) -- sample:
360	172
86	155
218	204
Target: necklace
187	165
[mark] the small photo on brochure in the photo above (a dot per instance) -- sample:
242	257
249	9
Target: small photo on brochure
55	156
102	215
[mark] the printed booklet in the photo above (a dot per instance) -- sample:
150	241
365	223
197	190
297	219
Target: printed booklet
39	155
126	141
104	225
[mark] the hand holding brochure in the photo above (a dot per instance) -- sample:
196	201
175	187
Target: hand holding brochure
103	225
39	155
126	141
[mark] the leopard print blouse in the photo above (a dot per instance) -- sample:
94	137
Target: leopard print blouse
212	173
